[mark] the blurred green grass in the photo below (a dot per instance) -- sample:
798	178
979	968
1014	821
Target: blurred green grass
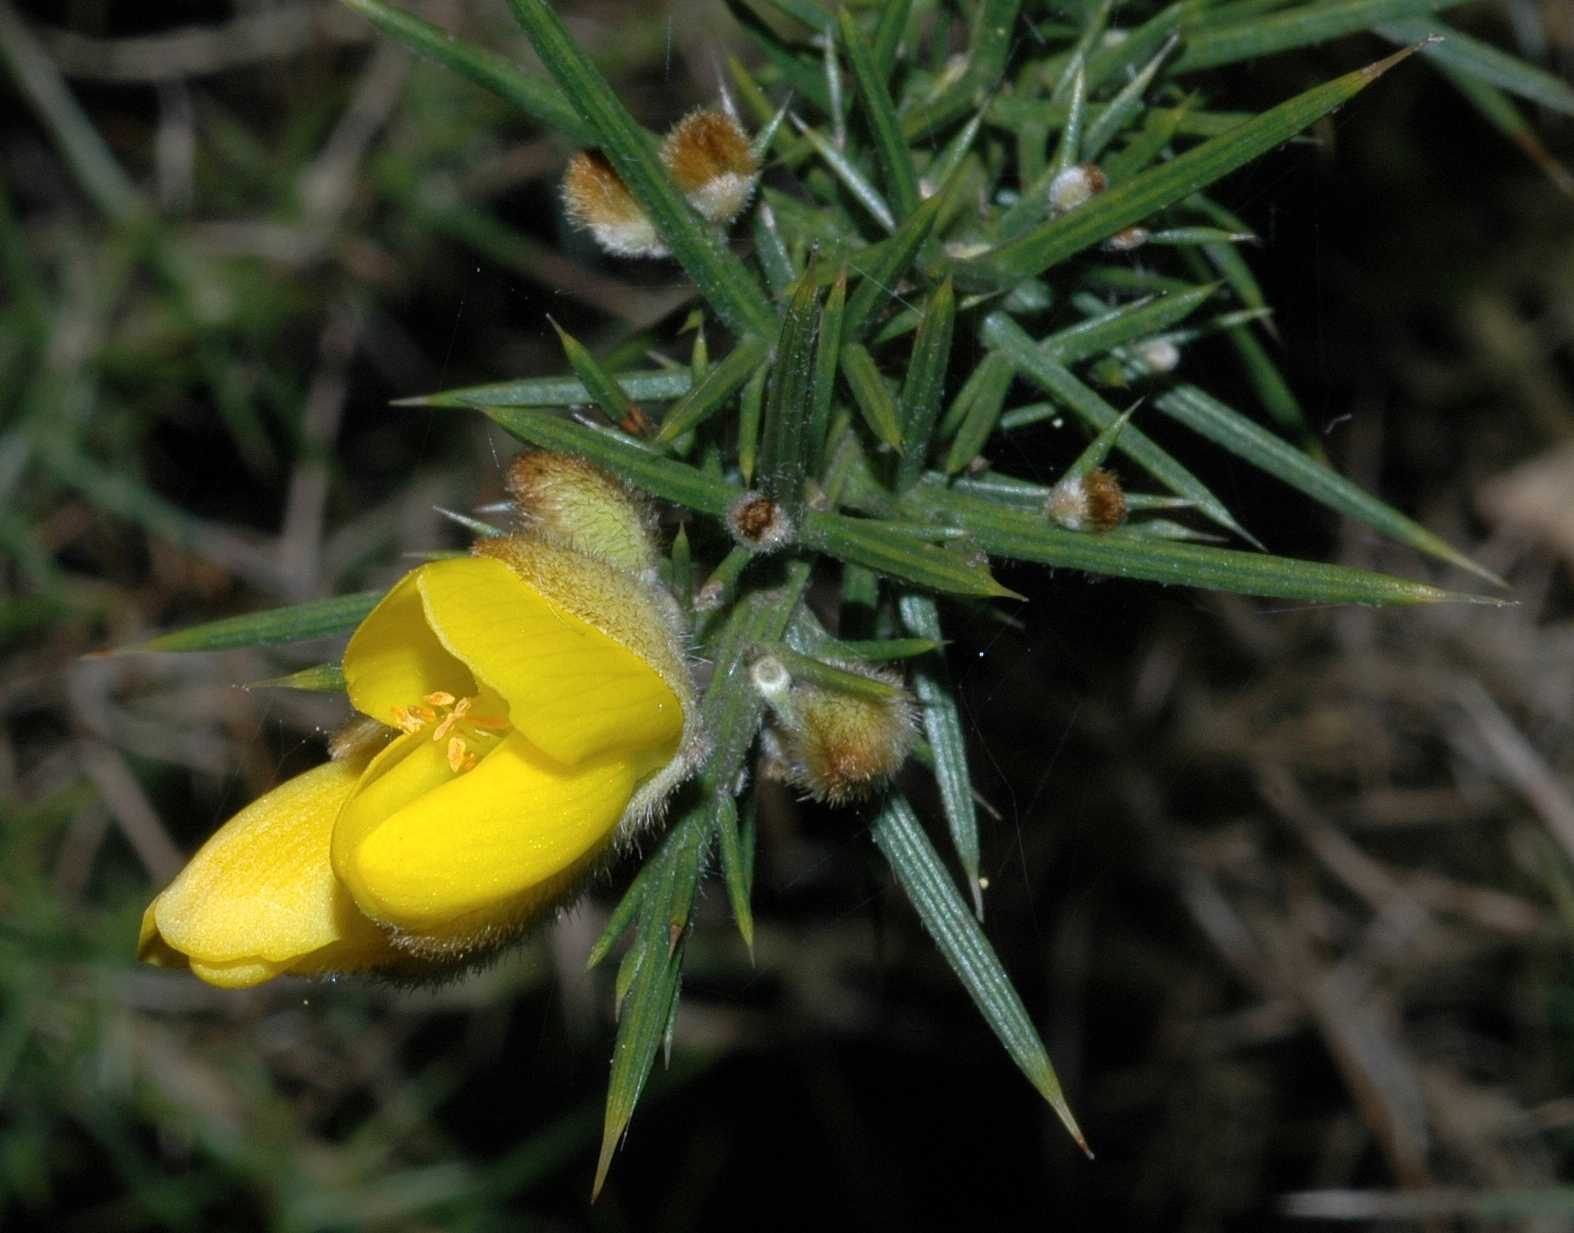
1291	883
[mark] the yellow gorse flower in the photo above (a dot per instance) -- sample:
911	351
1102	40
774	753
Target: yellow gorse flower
537	708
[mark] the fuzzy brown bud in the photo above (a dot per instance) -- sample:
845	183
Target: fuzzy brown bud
758	523
595	198
710	159
1075	186
1091	502
842	747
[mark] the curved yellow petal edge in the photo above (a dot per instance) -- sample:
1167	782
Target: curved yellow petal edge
458	836
571	689
446	886
394	659
636	612
541	712
260	898
631	610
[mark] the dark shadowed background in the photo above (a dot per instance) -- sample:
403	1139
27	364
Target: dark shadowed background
1289	890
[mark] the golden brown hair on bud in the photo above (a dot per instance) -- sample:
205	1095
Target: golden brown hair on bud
842	747
758	523
577	505
1076	185
710	159
595	198
1091	502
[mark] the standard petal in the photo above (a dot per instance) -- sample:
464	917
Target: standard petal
259	898
459	859
572	690
394	660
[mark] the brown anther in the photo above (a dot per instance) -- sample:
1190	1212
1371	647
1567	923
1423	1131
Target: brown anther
457	754
425	713
444	728
405	721
439	697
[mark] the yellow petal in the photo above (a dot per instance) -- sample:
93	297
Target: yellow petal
461	859
241	975
632	612
259	898
151	946
153	949
572	690
394	660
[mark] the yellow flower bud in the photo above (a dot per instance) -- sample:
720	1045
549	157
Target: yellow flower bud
541	712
